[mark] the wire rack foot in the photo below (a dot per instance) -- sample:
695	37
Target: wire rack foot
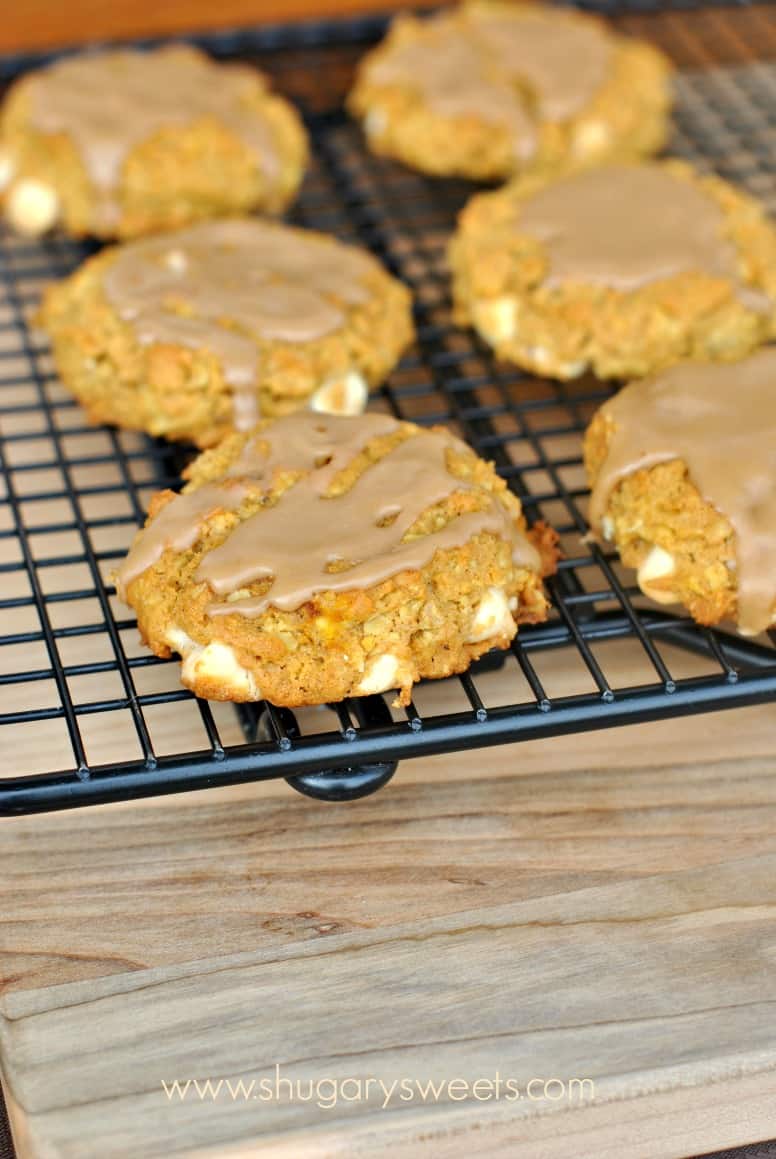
345	783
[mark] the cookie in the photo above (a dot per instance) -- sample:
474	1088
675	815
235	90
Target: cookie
622	270
322	557
490	89
191	334
683	473
124	143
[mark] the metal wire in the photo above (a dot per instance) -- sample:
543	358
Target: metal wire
75	493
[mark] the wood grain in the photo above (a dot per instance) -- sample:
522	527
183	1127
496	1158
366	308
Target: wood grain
45	23
589	907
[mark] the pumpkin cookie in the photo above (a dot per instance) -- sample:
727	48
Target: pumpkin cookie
191	334
491	89
317	558
621	270
123	143
683	472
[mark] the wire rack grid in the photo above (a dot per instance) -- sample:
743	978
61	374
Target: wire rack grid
88	716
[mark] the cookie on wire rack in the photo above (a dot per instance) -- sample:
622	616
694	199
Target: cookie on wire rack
490	89
621	270
123	143
322	557
683	473
191	334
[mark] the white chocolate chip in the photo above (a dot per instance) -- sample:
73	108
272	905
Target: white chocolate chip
175	261
591	138
214	661
492	618
237	594
32	207
180	641
496	319
345	395
381	674
657	565
546	363
607	528
218	662
7	169
375	122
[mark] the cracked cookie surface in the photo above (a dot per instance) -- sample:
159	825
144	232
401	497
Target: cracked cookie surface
124	143
191	334
622	270
490	89
321	557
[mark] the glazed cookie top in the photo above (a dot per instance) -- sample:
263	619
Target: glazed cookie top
227	285
329	529
504	63
720	421
624	226
109	102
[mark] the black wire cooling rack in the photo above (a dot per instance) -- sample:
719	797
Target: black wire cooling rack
88	716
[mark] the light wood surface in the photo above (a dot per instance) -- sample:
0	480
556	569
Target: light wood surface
595	907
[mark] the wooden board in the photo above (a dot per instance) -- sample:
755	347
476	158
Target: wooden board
43	23
596	907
